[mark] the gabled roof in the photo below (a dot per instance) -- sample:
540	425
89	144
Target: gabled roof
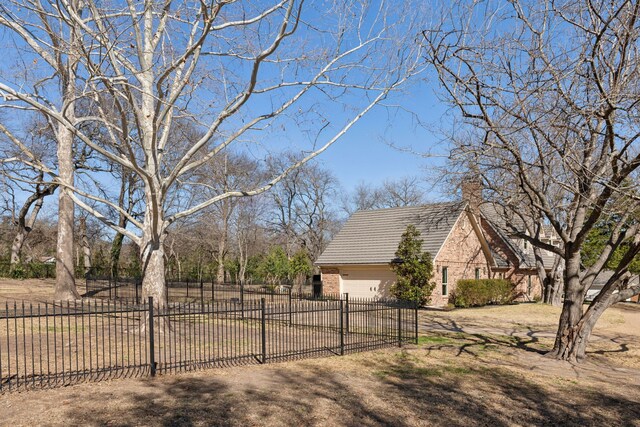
603	277
497	221
372	237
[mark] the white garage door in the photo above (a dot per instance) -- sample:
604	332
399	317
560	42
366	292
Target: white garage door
367	283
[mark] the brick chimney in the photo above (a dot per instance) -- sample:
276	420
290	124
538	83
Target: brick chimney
472	194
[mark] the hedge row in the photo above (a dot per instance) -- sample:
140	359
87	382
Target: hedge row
32	270
476	293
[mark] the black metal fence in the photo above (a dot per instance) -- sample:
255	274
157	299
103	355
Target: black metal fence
193	291
49	345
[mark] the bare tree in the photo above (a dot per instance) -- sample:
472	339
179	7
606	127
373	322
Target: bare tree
302	210
550	92
27	181
235	69
53	45
27	216
393	193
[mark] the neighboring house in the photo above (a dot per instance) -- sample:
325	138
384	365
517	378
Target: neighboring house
463	242
519	263
357	260
602	279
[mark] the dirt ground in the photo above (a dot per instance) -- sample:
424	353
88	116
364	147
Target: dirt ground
471	367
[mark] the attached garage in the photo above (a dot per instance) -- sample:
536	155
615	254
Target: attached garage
366	282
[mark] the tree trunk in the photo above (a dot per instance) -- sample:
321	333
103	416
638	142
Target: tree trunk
86	248
552	293
26	225
152	255
114	254
126	187
153	278
574	328
65	288
153	273
222	242
16	246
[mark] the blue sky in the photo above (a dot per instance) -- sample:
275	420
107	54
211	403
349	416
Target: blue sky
366	154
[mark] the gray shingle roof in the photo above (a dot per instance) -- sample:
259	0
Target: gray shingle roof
604	277
493	214
372	237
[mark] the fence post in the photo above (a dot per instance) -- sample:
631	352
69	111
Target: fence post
399	326
290	306
416	321
346	306
152	352
263	331
341	328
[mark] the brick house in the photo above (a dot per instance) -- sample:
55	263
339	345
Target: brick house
357	260
464	239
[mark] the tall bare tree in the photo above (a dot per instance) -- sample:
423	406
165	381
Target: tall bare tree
550	92
53	46
277	72
302	214
392	193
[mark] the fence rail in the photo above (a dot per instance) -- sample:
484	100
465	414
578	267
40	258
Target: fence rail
189	290
55	344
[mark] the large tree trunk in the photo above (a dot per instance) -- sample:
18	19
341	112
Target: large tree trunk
16	246
575	326
152	253
65	288
153	272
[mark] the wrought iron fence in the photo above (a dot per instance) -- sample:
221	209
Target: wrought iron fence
55	344
109	288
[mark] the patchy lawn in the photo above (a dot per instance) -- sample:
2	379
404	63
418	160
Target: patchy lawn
29	290
471	367
451	379
615	340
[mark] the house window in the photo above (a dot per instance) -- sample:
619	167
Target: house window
529	286
445	281
477	273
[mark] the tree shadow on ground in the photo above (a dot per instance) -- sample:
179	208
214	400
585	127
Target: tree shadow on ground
524	337
395	388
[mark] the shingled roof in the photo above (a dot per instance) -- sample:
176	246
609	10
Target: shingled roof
493	214
372	237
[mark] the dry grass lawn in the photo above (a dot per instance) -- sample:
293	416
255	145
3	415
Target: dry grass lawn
471	367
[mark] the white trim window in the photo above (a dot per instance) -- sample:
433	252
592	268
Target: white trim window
445	281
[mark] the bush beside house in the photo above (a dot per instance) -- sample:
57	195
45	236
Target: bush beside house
476	293
414	269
